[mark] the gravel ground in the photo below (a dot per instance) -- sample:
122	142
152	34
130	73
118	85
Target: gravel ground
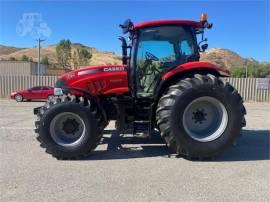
131	169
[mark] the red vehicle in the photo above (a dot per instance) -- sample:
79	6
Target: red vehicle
161	85
34	93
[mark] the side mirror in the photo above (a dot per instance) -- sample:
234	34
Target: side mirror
204	47
126	26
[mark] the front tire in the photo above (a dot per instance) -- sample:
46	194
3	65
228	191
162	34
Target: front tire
50	97
69	127
200	116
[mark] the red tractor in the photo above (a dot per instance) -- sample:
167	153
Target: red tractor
161	85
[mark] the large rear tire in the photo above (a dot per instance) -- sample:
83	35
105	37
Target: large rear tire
200	116
69	127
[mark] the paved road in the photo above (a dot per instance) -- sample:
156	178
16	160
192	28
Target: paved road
128	169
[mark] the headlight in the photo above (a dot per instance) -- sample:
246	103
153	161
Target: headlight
58	91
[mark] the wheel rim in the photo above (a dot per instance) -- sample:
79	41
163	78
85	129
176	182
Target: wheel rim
19	98
67	129
205	119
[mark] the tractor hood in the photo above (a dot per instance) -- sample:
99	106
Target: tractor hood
106	79
93	70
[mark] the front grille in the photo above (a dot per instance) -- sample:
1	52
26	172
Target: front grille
60	83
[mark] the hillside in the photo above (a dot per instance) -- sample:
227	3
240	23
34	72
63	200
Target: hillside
98	57
222	57
226	58
6	50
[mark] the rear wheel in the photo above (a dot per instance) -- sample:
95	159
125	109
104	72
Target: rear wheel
69	127
200	116
205	119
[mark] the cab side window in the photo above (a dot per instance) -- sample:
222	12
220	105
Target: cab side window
185	48
151	59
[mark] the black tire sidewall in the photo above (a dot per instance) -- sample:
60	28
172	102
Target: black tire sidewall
72	150
193	146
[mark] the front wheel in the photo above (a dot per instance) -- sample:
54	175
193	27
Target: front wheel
50	97
200	116
69	127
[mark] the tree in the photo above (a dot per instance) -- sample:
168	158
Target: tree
30	59
254	70
45	60
24	58
12	58
63	53
238	72
75	60
81	57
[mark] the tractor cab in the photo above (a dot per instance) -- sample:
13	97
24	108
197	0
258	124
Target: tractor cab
156	47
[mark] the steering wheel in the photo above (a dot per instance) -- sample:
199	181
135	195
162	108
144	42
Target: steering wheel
149	69
150	56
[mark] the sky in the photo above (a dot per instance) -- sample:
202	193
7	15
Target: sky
241	26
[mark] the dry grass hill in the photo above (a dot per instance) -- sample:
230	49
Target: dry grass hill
226	58
222	57
98	57
6	50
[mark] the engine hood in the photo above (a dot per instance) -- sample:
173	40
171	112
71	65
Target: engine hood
105	79
92	70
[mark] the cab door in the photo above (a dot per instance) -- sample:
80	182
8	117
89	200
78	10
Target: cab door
154	58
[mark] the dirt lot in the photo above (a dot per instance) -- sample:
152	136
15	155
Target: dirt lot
129	169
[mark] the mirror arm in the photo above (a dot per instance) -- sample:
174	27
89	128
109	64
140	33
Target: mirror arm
124	49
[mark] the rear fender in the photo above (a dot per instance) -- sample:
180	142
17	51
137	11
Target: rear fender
187	70
195	66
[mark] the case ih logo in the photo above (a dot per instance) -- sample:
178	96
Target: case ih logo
113	69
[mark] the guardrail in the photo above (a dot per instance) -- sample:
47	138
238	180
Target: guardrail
251	89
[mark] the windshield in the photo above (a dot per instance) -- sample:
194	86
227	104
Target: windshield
159	49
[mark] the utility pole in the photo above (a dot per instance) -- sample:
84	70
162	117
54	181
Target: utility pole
39	41
246	69
246	89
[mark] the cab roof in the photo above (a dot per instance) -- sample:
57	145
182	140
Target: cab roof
167	22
